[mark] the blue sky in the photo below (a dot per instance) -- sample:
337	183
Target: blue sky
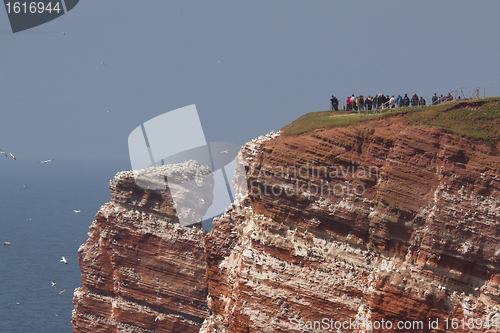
250	67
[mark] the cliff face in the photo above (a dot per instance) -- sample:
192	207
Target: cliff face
141	270
377	222
348	229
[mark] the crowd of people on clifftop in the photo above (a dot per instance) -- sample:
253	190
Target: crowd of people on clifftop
381	101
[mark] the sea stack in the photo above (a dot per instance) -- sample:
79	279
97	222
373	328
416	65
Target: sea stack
141	270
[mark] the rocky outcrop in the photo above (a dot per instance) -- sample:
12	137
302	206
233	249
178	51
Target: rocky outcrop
141	270
359	229
372	227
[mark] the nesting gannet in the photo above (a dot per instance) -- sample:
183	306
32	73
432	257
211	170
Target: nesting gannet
47	161
10	154
64	260
76	211
63	291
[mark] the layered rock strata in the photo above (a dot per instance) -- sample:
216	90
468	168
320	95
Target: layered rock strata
378	224
373	227
141	270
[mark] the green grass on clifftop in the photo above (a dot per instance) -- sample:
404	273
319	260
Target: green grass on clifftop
324	119
476	119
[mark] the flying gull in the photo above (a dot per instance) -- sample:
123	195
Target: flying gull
53	284
47	161
76	211
224	152
63	291
10	154
64	260
6	243
2	152
103	63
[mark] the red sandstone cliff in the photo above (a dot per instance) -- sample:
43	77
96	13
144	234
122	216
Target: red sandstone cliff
377	222
141	270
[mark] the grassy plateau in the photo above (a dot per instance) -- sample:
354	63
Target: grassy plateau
477	119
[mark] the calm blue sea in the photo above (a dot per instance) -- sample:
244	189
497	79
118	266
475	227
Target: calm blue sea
40	224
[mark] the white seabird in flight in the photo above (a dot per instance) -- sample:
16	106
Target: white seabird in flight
47	161
103	64
76	211
2	152
10	154
224	152
63	291
6	243
53	284
64	260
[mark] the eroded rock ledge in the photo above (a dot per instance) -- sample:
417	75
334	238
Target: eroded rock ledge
141	270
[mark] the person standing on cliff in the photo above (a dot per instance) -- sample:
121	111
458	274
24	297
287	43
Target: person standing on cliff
392	102
382	101
334	103
414	100
360	101
368	103
406	100
434	99
399	101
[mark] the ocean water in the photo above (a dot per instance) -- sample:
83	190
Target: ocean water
40	224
